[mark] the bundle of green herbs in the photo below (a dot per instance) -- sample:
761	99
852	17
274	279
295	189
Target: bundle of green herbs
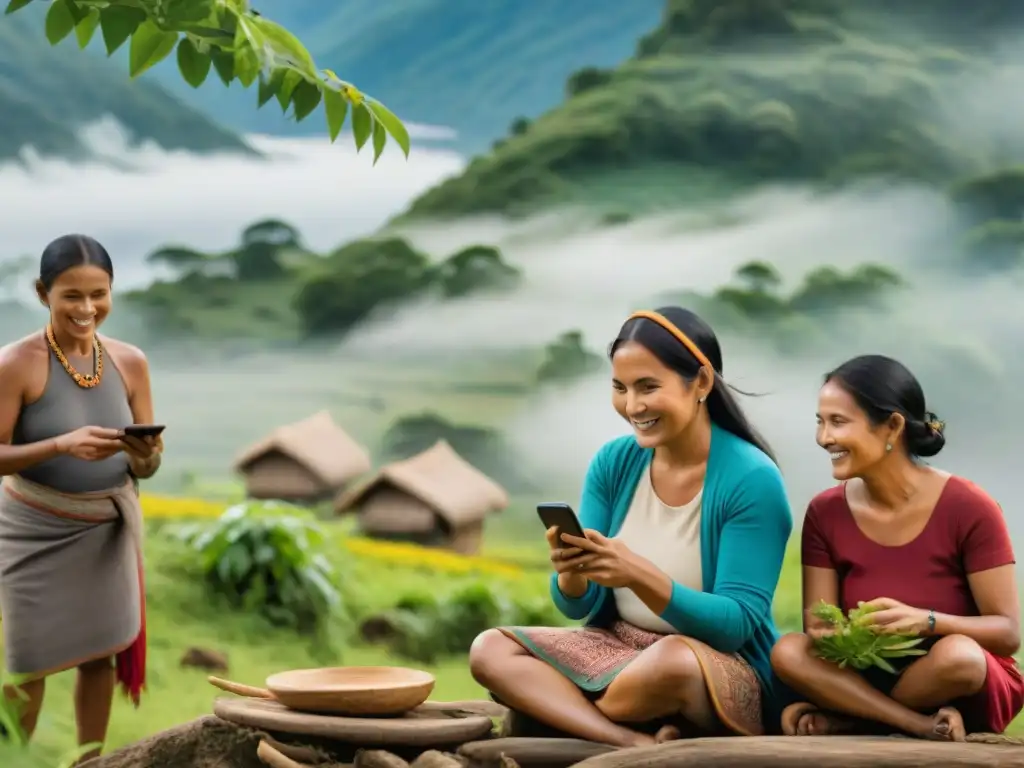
858	644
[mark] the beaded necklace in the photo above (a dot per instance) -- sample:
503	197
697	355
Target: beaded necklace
84	380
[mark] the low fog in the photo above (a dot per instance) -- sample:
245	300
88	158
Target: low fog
136	199
960	337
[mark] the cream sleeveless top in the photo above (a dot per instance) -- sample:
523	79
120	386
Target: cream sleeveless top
667	536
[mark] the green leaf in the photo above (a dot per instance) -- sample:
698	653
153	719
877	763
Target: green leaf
86	28
336	109
193	64
60	20
882	664
362	125
247	66
289	81
286	46
380	138
391	123
16	5
150	45
118	23
305	98
247	43
184	12
268	86
224	63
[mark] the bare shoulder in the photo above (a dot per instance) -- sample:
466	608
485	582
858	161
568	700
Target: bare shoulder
17	357
24	367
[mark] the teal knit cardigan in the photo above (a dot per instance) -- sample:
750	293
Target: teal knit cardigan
745	524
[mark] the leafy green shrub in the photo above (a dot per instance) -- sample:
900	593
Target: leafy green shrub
566	358
355	280
585	79
269	558
859	645
475	269
429	626
826	289
273	232
823	290
519	126
998	195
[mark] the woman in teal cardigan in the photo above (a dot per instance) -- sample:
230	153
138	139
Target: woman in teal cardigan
686	526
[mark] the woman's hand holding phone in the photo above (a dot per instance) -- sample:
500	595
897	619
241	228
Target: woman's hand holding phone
564	558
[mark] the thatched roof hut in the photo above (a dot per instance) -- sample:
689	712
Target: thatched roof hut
435	498
307	461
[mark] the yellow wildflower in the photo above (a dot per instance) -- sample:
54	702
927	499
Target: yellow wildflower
414	556
173	508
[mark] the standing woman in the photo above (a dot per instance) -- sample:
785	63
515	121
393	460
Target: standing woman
71	586
930	550
686	524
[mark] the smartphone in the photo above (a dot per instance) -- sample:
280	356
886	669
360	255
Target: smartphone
143	430
562	517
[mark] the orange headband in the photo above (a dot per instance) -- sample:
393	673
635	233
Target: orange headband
683	339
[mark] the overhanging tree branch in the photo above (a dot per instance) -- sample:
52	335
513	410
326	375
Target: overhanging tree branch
237	42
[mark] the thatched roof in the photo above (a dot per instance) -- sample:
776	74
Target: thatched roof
318	444
457	491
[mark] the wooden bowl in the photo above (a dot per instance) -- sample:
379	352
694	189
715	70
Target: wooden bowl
352	690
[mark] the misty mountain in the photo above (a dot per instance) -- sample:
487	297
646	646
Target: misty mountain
724	95
471	66
47	93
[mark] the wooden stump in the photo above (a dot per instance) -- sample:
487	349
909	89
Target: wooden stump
435	725
811	752
531	752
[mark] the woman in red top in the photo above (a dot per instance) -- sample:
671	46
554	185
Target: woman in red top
929	549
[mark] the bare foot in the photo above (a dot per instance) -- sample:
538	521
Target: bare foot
638	739
805	719
946	725
667	733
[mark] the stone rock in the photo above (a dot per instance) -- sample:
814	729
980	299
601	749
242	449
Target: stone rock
378	629
204	743
205	658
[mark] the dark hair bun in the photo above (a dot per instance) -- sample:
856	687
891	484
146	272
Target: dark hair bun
925	438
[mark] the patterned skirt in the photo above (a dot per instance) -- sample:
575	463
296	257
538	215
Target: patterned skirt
591	658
